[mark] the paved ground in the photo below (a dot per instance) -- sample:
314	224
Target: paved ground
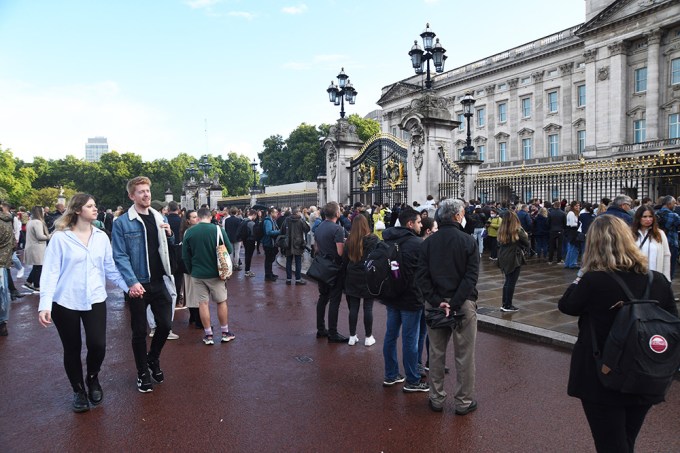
277	388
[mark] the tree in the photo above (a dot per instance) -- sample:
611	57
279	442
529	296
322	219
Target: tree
14	182
236	174
46	196
306	155
366	127
274	160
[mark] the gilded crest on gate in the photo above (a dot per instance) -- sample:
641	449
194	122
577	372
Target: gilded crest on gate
395	173
366	176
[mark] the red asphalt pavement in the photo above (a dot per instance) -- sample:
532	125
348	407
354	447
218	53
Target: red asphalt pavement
276	388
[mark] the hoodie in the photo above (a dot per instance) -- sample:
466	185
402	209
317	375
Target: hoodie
410	251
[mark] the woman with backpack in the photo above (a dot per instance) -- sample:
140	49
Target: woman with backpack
652	240
513	241
357	248
615	418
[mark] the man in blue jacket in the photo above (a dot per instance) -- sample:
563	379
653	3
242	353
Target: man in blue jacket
271	230
140	241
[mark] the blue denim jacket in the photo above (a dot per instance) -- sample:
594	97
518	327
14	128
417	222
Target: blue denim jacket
128	240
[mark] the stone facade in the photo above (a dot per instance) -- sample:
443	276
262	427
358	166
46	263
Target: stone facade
607	88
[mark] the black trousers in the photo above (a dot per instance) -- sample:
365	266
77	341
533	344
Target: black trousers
555	243
353	304
67	323
509	286
34	277
250	249
269	257
615	428
327	294
161	305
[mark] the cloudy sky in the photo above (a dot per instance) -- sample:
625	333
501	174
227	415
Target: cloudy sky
151	74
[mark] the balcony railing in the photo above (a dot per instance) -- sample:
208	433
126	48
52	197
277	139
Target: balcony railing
648	146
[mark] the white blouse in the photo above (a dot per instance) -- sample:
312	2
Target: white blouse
657	253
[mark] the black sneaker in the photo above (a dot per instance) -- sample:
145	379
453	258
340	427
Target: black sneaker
419	387
3	329
80	402
510	309
322	333
144	382
94	390
390	382
155	368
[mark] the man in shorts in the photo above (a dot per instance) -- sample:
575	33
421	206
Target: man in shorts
198	253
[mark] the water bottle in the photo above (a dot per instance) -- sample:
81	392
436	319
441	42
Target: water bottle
394	267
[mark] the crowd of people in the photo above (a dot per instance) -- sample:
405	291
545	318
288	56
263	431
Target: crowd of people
163	258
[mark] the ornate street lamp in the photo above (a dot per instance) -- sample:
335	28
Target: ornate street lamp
253	166
205	166
343	91
420	59
468	103
191	170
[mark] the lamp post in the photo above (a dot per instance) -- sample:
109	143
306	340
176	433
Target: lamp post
421	58
253	166
468	103
344	90
205	167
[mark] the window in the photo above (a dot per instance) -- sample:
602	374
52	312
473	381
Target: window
526	107
502	152
581	90
552	73
581	65
674	126
581	140
675	71
394	131
481	118
502	112
481	150
480	93
640	80
525	80
552	101
461	118
460	153
526	148
405	136
639	131
502	86
553	145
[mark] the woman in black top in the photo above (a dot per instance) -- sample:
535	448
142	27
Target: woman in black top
513	240
615	418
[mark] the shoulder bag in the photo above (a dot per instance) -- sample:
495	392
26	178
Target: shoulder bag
224	265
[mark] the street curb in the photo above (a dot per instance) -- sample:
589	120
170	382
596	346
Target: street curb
526	331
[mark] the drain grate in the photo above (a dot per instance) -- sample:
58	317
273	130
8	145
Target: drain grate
304	359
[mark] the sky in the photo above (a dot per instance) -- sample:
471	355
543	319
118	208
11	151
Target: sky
162	77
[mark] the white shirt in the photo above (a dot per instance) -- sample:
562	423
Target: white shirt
572	219
74	275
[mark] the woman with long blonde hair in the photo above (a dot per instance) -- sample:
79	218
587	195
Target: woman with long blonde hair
359	244
78	261
615	418
512	240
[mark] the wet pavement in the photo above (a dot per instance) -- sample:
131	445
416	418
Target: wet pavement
278	388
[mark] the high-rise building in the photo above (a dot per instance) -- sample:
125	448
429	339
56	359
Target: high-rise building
95	147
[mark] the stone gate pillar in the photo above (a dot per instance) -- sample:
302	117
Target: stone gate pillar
341	144
430	125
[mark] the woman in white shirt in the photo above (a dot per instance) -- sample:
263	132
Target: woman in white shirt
78	260
652	240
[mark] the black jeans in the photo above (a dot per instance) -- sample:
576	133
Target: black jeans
161	305
493	247
34	276
327	294
555	244
353	304
298	267
269	258
614	429
509	286
250	249
67	323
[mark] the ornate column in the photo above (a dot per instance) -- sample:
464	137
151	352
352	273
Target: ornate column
538	109
513	117
591	103
566	136
652	111
618	54
341	144
429	122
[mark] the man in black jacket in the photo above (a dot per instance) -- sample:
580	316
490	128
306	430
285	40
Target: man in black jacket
557	220
447	277
405	312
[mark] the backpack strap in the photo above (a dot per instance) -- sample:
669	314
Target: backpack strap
626	289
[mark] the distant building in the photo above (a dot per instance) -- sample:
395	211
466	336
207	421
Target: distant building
95	147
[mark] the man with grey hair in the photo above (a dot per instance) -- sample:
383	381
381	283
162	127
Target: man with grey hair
620	207
447	277
669	222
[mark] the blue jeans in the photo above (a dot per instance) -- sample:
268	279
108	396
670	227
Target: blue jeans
542	246
572	255
4	296
16	262
480	240
409	323
298	267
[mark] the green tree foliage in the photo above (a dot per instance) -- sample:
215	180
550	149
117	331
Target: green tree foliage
366	127
274	160
237	176
297	158
15	180
46	196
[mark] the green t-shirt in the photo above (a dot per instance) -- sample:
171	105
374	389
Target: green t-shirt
198	250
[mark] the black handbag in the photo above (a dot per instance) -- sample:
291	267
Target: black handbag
324	269
436	318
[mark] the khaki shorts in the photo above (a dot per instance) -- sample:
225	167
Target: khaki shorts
205	288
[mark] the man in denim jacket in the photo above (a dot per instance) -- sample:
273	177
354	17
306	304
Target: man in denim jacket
140	240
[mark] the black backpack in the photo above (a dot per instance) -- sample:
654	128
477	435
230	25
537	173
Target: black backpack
258	230
382	280
642	351
242	231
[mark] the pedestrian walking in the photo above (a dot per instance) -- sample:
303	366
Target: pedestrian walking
449	281
7	242
615	418
295	229
34	252
514	244
140	242
248	240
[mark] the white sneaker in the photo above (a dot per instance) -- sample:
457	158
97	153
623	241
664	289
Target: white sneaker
20	274
173	336
369	341
353	339
153	331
